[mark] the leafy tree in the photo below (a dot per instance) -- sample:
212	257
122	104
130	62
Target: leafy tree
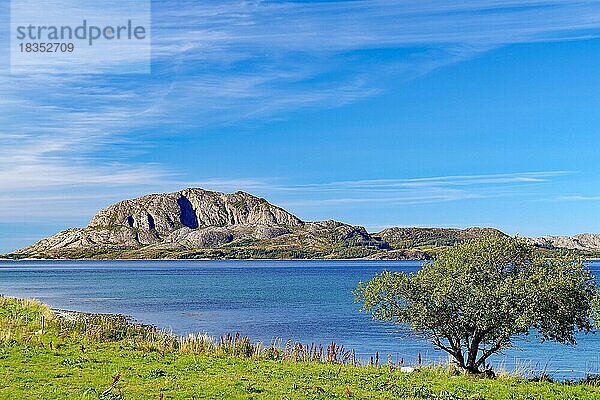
478	296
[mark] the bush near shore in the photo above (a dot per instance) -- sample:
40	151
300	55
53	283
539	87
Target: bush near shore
47	354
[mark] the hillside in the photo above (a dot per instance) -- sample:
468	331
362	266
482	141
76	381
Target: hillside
197	223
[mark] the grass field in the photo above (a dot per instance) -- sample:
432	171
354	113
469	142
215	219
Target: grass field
43	356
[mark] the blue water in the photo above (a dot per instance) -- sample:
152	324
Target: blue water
308	301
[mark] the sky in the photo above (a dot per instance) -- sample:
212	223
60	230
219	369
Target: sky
376	113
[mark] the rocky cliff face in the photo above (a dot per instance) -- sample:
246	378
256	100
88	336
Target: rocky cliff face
192	208
585	242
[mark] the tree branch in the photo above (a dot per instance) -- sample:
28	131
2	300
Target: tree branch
497	346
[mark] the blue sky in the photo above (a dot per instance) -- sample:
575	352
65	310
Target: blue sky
377	113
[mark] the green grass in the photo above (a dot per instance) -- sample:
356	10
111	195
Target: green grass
101	357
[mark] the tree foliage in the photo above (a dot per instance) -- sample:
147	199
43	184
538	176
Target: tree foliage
478	296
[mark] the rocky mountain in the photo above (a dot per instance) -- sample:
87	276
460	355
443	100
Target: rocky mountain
196	223
587	242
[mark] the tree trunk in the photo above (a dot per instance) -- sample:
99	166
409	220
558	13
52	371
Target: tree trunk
472	351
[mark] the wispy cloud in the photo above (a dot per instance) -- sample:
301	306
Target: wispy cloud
578	198
349	25
441	181
391	192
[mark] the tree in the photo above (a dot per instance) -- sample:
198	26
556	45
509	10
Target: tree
477	297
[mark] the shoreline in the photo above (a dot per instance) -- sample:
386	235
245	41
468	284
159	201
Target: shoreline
592	259
386	260
360	360
210	259
104	358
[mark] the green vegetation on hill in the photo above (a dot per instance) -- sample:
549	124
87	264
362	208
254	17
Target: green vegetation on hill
105	357
327	240
409	238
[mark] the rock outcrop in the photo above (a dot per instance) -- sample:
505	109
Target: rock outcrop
194	209
584	242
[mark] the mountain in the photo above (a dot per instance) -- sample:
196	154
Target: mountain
196	223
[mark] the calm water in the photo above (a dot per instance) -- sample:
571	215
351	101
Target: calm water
309	301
